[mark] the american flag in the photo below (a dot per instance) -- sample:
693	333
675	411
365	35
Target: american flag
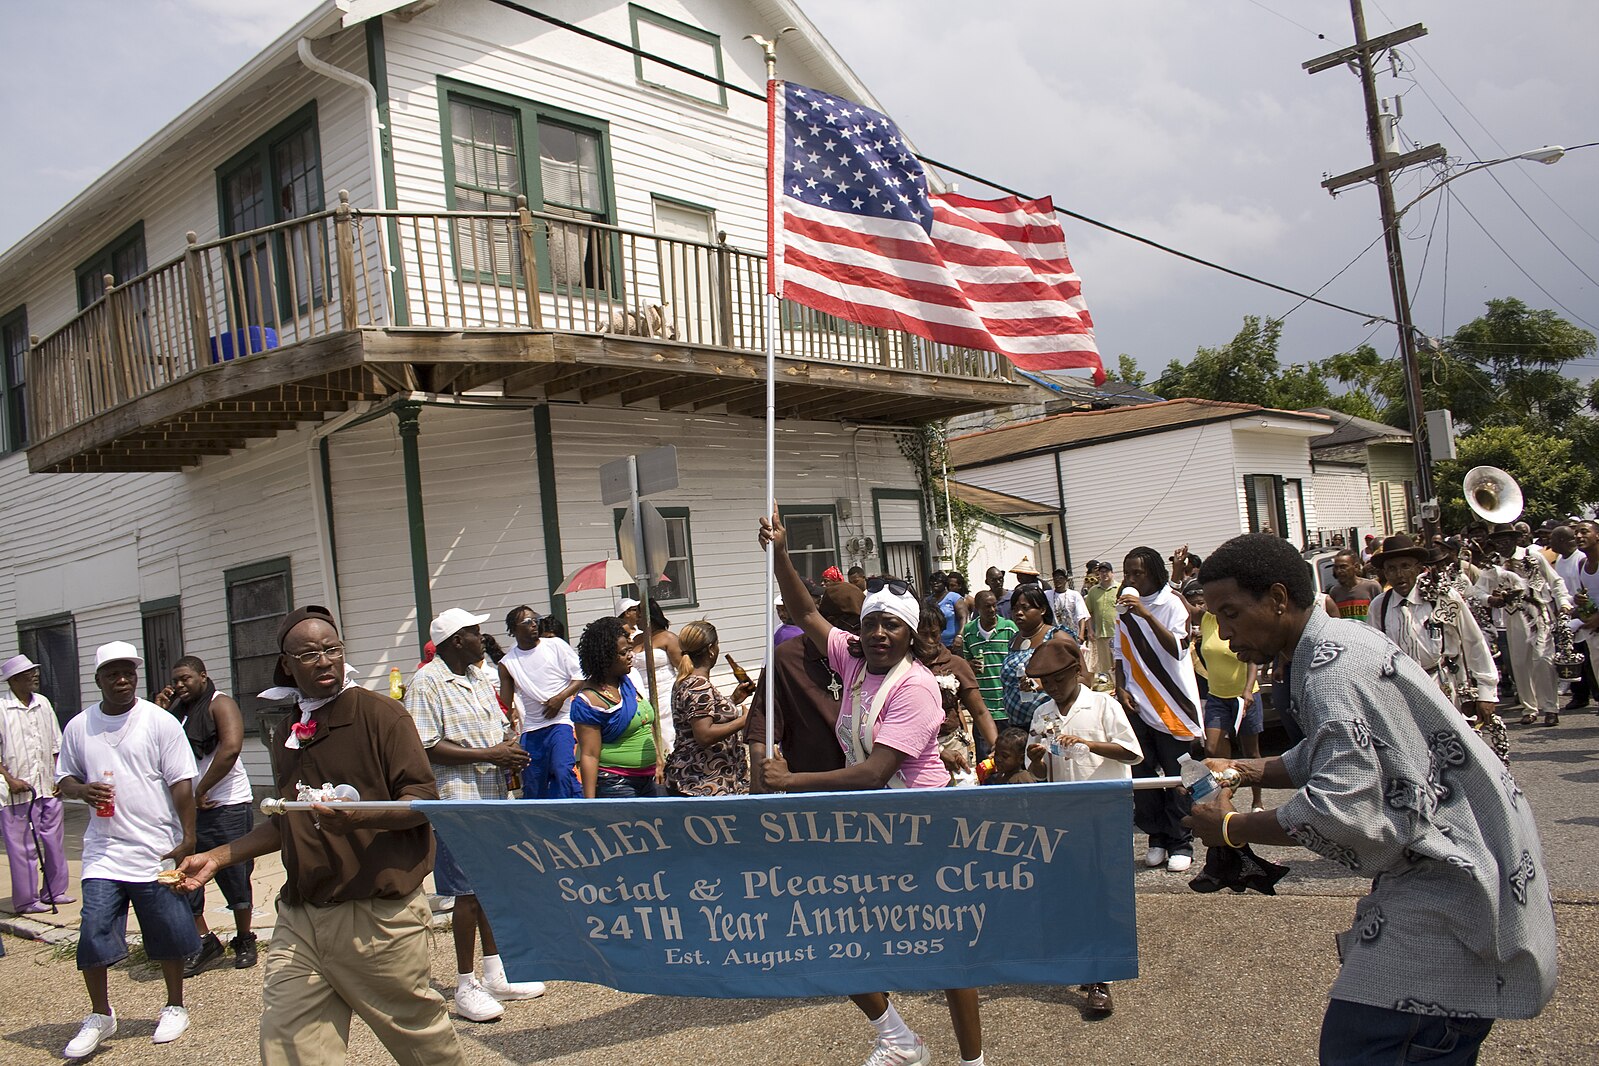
855	233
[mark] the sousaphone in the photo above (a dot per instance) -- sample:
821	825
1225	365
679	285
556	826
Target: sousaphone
1492	494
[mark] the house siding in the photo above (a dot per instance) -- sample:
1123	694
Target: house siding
1343	499
1283	453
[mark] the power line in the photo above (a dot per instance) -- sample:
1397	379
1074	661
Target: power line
1285	18
1471	215
742	90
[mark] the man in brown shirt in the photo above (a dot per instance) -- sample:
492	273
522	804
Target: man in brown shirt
352	932
805	697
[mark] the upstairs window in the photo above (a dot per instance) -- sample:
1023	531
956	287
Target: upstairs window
13	381
685	45
276	180
123	259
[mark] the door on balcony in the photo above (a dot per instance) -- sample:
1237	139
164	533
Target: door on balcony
688	272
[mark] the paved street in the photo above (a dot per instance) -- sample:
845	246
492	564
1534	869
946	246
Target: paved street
1224	978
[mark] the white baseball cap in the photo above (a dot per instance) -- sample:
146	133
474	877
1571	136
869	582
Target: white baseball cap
115	652
625	606
451	622
17	664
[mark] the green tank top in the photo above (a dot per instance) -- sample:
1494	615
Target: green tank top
636	749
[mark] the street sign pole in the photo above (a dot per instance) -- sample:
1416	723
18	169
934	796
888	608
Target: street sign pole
643	576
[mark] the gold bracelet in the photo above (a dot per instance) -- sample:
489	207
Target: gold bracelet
1226	838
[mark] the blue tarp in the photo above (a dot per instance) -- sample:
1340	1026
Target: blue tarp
804	895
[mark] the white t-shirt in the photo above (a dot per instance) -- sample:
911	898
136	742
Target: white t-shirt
1069	606
539	673
1093	716
1569	568
234	788
147	752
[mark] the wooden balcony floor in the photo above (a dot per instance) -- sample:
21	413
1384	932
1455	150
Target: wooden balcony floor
223	407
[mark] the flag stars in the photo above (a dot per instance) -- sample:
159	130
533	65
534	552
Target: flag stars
857	203
830	144
827	172
810	183
799	142
826	198
816	131
814	158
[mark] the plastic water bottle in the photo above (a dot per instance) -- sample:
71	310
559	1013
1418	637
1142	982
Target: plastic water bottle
109	807
1079	753
1197	776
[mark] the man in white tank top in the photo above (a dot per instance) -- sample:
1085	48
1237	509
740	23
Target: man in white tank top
214	726
542	675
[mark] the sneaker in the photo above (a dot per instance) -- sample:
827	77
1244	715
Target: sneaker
202	960
173	1023
474	1003
244	951
96	1027
899	1054
511	991
1178	864
1155	856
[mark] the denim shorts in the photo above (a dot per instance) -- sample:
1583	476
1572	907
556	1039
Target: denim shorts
448	877
164	920
1221	713
625	786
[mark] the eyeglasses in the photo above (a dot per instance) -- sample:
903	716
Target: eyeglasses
311	658
893	584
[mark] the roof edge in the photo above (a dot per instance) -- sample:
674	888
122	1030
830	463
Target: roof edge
327	15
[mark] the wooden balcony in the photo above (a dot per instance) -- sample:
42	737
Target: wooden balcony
244	337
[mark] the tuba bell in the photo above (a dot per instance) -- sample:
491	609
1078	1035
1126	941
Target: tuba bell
1492	494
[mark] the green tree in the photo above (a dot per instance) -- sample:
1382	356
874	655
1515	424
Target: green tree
1246	370
1127	372
1543	464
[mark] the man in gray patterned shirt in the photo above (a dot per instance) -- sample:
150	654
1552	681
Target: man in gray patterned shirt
1392	783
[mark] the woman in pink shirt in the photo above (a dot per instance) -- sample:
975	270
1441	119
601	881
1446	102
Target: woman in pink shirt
888	723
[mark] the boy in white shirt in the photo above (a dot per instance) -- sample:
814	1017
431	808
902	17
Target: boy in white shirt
1093	719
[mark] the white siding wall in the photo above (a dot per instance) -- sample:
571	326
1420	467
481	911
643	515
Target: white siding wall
95	545
180	193
1285	453
1343	498
661	143
1003	547
1160	490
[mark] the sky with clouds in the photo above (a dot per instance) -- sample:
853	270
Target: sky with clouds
1190	123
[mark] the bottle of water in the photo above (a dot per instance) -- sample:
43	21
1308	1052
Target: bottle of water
1079	753
1196	776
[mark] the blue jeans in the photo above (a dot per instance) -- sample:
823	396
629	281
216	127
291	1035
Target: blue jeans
164	921
1354	1034
625	786
213	827
552	774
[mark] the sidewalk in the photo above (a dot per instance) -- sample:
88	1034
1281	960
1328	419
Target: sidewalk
62	926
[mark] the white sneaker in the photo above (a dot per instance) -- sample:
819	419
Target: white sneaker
1179	863
899	1054
96	1027
511	991
173	1023
474	1003
1155	857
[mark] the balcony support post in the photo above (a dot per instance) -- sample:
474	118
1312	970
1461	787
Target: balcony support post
194	289
416	516
344	239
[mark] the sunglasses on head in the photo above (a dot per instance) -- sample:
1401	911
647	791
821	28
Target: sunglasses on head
893	584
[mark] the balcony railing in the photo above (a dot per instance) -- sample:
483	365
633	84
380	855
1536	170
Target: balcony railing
324	274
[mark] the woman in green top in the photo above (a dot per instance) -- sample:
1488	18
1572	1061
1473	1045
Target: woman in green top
615	726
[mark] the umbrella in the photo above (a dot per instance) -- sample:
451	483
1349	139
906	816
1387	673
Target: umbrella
605	574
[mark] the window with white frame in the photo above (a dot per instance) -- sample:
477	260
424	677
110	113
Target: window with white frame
676	585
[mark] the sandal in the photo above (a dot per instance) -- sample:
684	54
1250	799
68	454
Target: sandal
1529	719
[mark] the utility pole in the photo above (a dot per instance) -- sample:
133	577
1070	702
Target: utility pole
1384	165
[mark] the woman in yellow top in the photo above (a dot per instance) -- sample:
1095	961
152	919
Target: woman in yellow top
1232	707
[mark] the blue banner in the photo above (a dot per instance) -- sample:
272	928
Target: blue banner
805	895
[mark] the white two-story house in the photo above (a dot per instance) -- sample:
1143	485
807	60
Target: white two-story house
360	326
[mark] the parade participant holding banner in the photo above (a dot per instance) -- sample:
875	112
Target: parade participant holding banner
888	725
615	742
1393	784
353	923
1155	684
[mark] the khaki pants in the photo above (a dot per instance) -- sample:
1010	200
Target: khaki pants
370	957
1097	658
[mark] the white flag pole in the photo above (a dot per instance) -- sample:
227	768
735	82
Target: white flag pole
769	50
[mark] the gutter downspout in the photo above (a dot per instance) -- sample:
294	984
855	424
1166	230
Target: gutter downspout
375	143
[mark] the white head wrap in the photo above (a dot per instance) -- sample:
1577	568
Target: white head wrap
901	605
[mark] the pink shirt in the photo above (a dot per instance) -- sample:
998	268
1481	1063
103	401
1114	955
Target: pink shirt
910	719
